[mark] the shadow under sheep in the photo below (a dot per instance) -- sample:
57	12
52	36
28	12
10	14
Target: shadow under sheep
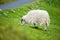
36	28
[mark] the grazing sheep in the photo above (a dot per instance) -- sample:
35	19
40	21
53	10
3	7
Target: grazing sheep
37	17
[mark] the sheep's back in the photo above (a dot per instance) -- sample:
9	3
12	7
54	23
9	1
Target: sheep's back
38	16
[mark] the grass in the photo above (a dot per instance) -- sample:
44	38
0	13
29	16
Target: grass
11	29
5	1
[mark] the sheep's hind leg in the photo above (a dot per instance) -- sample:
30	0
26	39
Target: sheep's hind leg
45	27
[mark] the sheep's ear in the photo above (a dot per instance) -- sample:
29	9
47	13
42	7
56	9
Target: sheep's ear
21	20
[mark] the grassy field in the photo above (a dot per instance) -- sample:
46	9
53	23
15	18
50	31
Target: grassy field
5	1
11	29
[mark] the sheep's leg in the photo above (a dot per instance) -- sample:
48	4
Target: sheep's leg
35	25
45	27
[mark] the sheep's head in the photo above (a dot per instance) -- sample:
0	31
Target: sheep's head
23	20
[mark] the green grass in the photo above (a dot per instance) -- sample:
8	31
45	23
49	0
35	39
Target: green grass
5	1
11	29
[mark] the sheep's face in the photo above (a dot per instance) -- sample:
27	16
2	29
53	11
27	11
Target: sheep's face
22	21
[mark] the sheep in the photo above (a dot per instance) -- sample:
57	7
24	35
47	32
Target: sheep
36	17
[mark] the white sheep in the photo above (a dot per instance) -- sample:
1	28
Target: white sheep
37	17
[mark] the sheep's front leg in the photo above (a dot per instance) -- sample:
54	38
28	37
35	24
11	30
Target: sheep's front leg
35	25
